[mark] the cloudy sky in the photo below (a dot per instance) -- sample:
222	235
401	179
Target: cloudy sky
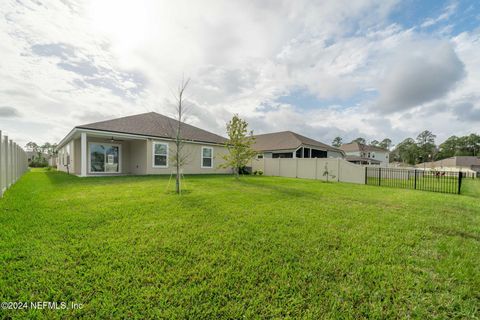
372	68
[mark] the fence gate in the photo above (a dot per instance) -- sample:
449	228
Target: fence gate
436	181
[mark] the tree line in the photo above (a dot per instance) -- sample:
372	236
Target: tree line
385	143
423	148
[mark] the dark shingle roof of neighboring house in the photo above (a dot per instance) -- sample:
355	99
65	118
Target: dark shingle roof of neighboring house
155	125
287	140
355	146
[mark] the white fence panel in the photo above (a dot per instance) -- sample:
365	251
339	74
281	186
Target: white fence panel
13	163
317	168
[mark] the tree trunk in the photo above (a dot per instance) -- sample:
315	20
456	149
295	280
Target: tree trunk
177	181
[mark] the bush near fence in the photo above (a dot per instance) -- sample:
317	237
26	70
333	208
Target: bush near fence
13	163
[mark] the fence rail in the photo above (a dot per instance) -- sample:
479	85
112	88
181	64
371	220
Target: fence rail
436	181
13	163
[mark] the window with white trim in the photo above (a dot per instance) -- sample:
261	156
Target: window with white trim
207	157
160	155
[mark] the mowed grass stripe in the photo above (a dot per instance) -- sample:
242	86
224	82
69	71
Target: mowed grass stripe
261	247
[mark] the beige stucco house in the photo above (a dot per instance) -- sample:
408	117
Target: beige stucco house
359	153
458	163
138	145
288	144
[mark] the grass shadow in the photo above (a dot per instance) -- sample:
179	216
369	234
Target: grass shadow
287	191
456	233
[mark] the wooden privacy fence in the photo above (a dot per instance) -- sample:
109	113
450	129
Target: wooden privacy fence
13	163
333	169
427	180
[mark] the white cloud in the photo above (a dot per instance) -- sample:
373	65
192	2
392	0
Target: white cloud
447	12
418	72
67	63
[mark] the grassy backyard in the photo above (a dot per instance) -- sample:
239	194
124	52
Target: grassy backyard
261	247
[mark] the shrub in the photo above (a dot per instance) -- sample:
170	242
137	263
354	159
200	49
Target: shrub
39	162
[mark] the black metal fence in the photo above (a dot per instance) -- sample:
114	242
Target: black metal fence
471	175
428	180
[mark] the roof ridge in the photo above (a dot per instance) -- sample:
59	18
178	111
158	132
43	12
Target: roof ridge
154	124
120	118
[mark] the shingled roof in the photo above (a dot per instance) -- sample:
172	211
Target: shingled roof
155	125
287	140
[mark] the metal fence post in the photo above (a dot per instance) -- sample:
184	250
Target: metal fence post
366	175
460	176
415	183
379	176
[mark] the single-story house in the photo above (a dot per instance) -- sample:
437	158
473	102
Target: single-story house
139	144
458	163
360	153
31	155
288	144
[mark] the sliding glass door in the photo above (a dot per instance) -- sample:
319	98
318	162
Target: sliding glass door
111	159
104	158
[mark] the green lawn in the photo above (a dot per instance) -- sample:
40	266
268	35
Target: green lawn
261	247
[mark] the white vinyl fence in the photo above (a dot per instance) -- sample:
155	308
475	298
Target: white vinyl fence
317	168
13	163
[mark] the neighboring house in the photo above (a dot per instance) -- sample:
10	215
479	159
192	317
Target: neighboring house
287	144
139	144
33	155
462	163
359	153
53	160
30	155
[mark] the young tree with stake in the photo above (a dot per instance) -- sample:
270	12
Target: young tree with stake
179	157
239	145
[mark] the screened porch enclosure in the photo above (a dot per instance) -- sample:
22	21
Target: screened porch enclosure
302	152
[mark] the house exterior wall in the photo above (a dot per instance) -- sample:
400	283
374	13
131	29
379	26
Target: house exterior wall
468	161
66	157
77	158
353	153
375	155
136	157
193	165
464	161
382	157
